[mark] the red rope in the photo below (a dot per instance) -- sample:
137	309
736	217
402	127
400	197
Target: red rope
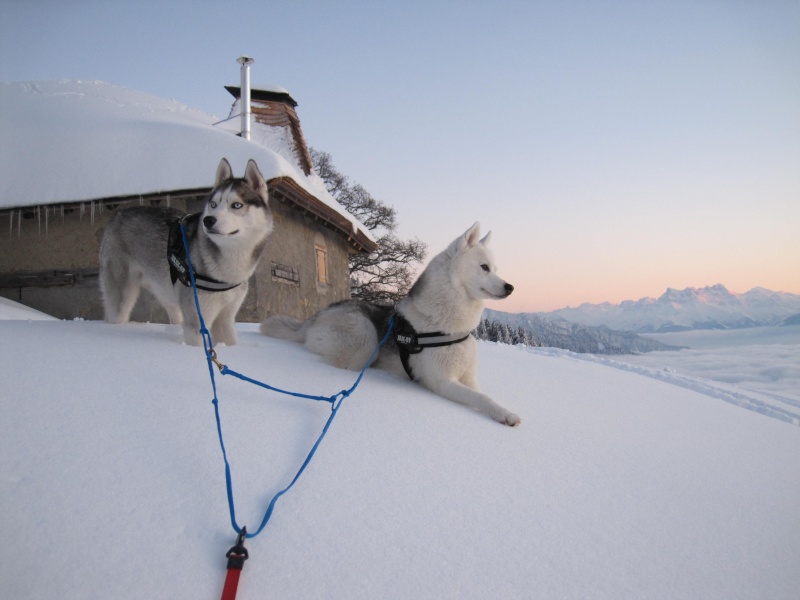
236	557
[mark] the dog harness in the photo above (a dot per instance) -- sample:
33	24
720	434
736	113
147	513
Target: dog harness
179	268
410	342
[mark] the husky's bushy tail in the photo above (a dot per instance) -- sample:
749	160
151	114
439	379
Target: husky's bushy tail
285	328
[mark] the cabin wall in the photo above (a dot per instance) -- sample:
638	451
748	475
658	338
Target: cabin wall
293	244
50	263
50	238
49	259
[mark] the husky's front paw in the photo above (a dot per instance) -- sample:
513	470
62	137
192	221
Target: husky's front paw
509	418
224	335
191	337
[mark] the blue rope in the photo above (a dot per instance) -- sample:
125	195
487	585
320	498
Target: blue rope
335	402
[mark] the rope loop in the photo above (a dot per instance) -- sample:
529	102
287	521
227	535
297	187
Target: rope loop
211	357
338	398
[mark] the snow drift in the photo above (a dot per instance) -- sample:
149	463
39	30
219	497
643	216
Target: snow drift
615	486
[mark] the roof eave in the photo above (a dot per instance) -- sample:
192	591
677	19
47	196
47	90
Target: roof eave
287	188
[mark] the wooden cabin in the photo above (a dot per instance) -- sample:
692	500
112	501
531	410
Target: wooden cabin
75	152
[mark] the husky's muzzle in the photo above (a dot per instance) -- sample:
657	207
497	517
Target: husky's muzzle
507	289
209	222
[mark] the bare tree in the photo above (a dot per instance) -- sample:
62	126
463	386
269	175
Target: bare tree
386	275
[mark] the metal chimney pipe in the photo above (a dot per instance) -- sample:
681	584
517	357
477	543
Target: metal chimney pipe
244	95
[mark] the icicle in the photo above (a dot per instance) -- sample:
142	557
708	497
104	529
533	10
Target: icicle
92	212
39	218
46	222
11	223
19	222
168	201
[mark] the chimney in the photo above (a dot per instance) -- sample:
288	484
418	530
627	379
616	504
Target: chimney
245	61
273	106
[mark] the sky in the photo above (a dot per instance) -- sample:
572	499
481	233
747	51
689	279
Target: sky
613	148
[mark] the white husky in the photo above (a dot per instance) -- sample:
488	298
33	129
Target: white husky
142	246
431	341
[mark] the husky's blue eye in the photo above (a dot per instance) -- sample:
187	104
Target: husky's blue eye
485	268
213	204
237	205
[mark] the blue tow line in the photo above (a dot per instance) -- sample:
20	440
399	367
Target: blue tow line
335	402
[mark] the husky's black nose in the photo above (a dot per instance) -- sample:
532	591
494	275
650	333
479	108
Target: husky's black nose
209	222
509	289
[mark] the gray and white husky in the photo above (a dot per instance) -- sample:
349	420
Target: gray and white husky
431	341
142	247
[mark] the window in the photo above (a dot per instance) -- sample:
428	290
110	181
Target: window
322	263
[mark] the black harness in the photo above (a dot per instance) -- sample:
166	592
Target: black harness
410	342
179	267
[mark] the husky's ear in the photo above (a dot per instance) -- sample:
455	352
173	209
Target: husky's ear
470	237
254	177
486	239
223	172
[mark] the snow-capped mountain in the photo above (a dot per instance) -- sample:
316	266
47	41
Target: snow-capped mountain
712	307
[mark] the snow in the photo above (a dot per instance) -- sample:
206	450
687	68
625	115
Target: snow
757	365
70	141
616	485
761	379
266	87
13	310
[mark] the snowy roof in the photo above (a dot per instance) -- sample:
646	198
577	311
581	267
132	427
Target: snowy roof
68	141
268	87
265	92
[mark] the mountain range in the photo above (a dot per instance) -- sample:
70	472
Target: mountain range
711	307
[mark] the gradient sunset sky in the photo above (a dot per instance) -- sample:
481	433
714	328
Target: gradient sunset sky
614	148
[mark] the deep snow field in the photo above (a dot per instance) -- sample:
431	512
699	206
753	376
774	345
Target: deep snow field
758	368
623	481
762	360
